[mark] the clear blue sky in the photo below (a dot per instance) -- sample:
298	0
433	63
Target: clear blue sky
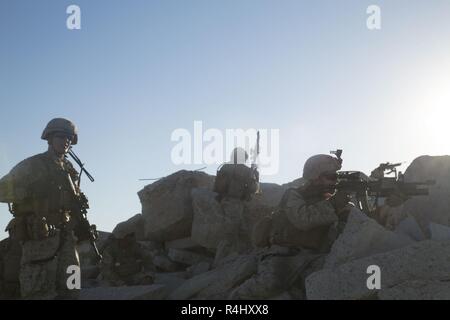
137	70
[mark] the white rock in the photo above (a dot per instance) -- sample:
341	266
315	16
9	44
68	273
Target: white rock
425	260
216	283
165	264
410	228
362	237
439	232
214	221
436	206
171	280
133	225
417	290
186	257
199	268
166	204
185	243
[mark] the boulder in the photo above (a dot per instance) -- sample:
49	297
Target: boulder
199	268
283	296
133	225
411	229
214	221
171	280
226	249
425	260
163	263
186	243
151	246
362	237
167	209
217	283
439	232
436	206
166	204
186	257
279	268
417	290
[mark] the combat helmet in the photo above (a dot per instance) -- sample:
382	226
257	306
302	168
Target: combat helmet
60	125
239	156
320	164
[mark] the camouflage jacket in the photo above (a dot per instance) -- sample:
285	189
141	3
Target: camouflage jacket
302	221
236	181
42	185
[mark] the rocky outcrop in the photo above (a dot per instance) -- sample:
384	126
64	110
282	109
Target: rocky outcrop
167	205
214	221
417	290
436	206
217	283
425	260
363	237
133	225
196	250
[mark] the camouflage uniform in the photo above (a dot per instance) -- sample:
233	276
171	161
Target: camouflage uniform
10	255
303	221
235	184
236	181
41	191
294	240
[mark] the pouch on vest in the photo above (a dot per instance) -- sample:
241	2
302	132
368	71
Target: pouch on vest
34	251
17	229
11	260
37	227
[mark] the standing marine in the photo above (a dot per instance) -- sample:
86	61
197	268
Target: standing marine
45	200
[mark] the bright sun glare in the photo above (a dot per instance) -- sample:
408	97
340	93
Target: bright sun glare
432	115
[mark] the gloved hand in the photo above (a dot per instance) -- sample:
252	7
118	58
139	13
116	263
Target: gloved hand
316	191
340	200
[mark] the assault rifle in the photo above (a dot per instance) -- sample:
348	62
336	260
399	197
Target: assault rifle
385	169
83	229
362	187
